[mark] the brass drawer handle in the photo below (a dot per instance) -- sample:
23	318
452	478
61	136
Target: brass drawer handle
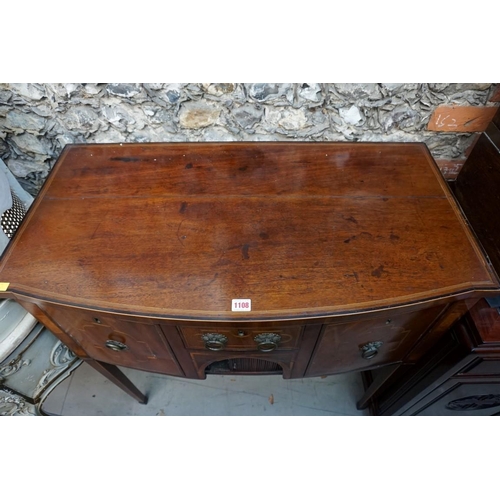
214	341
267	342
370	350
114	345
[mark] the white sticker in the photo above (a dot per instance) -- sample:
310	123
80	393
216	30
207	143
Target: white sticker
241	305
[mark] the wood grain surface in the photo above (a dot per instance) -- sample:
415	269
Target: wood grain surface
302	229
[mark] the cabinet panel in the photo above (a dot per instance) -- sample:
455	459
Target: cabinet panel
488	367
457	398
117	341
363	344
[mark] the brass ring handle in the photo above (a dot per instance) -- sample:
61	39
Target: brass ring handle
267	346
214	341
214	345
114	345
267	342
370	350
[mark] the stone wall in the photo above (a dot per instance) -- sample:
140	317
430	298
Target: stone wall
37	120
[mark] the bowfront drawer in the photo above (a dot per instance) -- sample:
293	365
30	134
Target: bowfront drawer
113	339
359	345
257	339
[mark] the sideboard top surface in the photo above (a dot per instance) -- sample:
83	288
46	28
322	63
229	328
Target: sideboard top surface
302	229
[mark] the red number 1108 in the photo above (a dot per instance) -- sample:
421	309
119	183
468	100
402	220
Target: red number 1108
241	305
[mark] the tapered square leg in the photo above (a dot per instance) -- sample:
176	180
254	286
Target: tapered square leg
115	375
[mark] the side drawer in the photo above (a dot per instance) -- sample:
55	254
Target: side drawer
360	345
115	340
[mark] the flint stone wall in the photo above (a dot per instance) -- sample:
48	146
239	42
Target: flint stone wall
37	120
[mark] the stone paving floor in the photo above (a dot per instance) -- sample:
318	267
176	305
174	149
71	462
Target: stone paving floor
87	392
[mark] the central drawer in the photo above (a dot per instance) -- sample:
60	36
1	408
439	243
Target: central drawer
227	338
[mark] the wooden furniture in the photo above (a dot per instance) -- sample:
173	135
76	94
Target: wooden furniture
461	374
303	259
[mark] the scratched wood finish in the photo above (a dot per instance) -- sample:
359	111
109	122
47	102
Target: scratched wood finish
302	229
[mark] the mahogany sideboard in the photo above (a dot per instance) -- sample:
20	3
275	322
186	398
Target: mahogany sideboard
460	375
300	259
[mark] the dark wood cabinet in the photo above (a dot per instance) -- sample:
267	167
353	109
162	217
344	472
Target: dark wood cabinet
461	398
303	259
460	375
